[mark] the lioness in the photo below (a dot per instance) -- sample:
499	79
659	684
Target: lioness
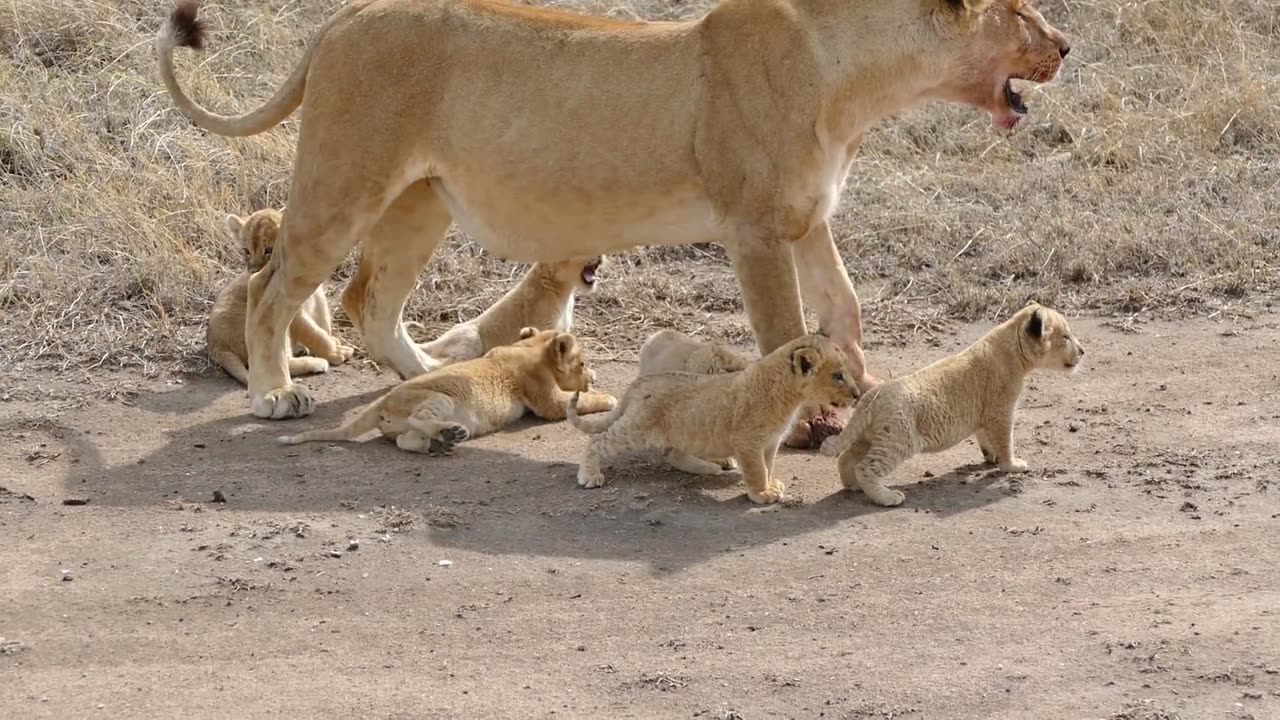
547	135
312	328
673	351
437	410
971	393
741	415
543	298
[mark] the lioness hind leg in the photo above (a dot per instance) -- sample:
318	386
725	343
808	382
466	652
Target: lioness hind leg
391	257
685	462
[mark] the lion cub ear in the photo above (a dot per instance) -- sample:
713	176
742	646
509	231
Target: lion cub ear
234	224
528	332
1035	326
561	347
804	361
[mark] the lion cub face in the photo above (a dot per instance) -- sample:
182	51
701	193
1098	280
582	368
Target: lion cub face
991	44
1053	346
823	369
562	355
257	235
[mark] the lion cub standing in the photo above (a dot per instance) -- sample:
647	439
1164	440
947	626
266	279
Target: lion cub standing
543	298
311	328
436	410
973	392
741	415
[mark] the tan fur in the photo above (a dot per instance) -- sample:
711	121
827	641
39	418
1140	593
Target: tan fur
544	298
740	415
311	330
971	393
548	135
435	411
673	351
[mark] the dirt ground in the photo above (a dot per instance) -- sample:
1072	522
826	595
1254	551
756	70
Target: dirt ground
1131	574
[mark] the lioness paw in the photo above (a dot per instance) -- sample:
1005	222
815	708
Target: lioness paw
294	401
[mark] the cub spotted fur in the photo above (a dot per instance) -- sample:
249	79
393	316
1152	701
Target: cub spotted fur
973	392
741	415
543	298
673	351
312	328
435	411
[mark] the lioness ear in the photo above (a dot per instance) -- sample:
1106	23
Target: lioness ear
804	360
1035	326
234	223
967	8
528	332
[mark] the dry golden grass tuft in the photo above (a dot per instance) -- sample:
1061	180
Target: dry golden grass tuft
1148	180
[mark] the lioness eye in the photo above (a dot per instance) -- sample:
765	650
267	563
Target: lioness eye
266	253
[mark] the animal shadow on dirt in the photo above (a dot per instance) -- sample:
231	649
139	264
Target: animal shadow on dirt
507	502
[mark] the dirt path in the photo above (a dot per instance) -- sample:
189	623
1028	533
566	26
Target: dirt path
1132	573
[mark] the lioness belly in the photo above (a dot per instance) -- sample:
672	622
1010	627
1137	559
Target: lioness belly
544	225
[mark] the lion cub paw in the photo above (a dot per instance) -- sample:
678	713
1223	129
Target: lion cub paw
449	437
294	401
590	479
883	496
1016	465
772	494
342	353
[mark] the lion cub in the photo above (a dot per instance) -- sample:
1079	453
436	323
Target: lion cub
436	410
741	415
543	298
973	392
672	351
312	327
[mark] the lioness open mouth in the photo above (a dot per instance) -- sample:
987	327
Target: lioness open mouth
1011	109
589	273
1014	98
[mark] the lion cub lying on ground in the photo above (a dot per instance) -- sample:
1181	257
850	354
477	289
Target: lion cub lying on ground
435	411
741	415
672	351
543	298
973	392
311	328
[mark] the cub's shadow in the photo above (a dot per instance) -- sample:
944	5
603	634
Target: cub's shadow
525	503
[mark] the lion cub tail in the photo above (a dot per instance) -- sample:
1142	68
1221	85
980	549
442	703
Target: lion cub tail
595	424
350	430
857	424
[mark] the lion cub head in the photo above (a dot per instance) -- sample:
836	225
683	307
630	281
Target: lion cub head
562	355
580	273
822	369
1047	341
257	235
984	45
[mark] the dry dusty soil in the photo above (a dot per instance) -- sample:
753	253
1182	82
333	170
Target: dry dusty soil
1132	574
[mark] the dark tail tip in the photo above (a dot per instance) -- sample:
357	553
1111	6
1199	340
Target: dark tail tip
188	30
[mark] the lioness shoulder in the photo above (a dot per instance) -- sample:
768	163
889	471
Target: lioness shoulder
971	393
435	411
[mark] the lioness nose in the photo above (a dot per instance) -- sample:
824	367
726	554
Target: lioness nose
1063	49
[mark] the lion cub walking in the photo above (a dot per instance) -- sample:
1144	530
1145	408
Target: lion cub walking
311	328
544	298
973	392
741	415
436	410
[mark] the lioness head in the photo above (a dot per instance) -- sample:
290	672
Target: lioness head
582	273
1047	340
823	370
986	44
257	235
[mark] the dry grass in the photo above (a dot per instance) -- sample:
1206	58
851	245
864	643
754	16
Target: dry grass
1147	181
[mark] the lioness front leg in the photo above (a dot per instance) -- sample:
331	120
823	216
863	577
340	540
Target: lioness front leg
1000	434
762	489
